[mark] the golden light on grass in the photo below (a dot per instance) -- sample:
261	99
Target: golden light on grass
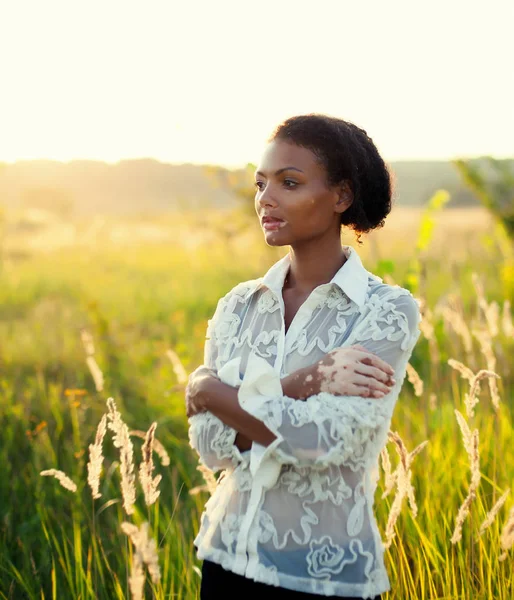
491	311
390	477
466	372
96	373
457	322
87	341
470	439
63	479
94	466
415	379
487	350
426	326
149	483
121	440
507	536
178	367
507	326
158	448
489	519
471	397
145	553
210	481
402	476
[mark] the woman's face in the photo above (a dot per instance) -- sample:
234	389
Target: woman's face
291	185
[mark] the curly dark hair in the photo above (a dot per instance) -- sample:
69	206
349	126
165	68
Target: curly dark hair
347	153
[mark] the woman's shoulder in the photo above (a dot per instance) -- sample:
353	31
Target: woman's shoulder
393	297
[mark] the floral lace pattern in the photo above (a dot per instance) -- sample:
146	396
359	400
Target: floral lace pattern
298	513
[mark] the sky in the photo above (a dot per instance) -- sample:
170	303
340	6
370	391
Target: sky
208	81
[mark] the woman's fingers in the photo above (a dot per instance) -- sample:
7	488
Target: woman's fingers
370	382
375	372
376	361
367	392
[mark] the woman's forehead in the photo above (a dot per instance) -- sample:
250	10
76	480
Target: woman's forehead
280	154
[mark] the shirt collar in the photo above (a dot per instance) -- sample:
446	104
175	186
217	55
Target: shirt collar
352	277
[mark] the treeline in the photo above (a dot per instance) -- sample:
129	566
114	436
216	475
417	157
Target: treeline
147	186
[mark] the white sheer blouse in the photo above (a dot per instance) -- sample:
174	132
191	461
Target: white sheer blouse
299	512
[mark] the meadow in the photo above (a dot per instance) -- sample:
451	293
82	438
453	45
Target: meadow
141	290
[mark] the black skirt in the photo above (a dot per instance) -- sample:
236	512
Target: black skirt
217	583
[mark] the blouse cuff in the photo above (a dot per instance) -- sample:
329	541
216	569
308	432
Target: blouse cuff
260	384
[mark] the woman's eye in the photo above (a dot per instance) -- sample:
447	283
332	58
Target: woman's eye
257	184
290	181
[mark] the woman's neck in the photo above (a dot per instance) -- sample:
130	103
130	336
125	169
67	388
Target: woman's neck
314	264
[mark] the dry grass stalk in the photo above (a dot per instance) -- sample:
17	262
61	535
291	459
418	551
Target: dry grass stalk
390	477
470	439
491	311
415	379
456	321
145	552
121	440
461	516
489	518
96	373
394	513
137	577
507	536
198	489
427	329
94	466
466	432
466	372
507	326
432	401
209	478
87	341
487	350
158	448
403	477
63	479
471	398
178	367
149	483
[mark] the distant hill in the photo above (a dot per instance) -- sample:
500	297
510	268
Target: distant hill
147	186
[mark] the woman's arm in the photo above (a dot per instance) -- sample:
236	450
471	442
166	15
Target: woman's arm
336	372
215	442
326	429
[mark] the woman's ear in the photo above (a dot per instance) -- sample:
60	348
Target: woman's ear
345	197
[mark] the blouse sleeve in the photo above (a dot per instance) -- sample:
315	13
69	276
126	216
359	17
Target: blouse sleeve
213	440
328	429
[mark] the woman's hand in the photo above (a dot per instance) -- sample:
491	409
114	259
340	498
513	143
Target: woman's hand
196	390
349	371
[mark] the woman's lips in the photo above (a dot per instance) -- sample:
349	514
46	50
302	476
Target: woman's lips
273	224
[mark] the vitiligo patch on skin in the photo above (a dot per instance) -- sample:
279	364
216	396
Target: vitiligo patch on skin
332	374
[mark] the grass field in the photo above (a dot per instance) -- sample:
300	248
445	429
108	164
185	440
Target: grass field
141	291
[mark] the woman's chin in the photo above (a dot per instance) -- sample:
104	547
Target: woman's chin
273	238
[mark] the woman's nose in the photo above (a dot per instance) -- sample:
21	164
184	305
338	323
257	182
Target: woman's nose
266	197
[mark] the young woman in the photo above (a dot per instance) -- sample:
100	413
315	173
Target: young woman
301	373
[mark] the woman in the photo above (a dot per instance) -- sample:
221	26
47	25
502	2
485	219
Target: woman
301	373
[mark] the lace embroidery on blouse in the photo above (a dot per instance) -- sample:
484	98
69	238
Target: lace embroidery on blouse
298	513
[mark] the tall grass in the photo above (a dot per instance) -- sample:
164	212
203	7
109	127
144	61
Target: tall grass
145	305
